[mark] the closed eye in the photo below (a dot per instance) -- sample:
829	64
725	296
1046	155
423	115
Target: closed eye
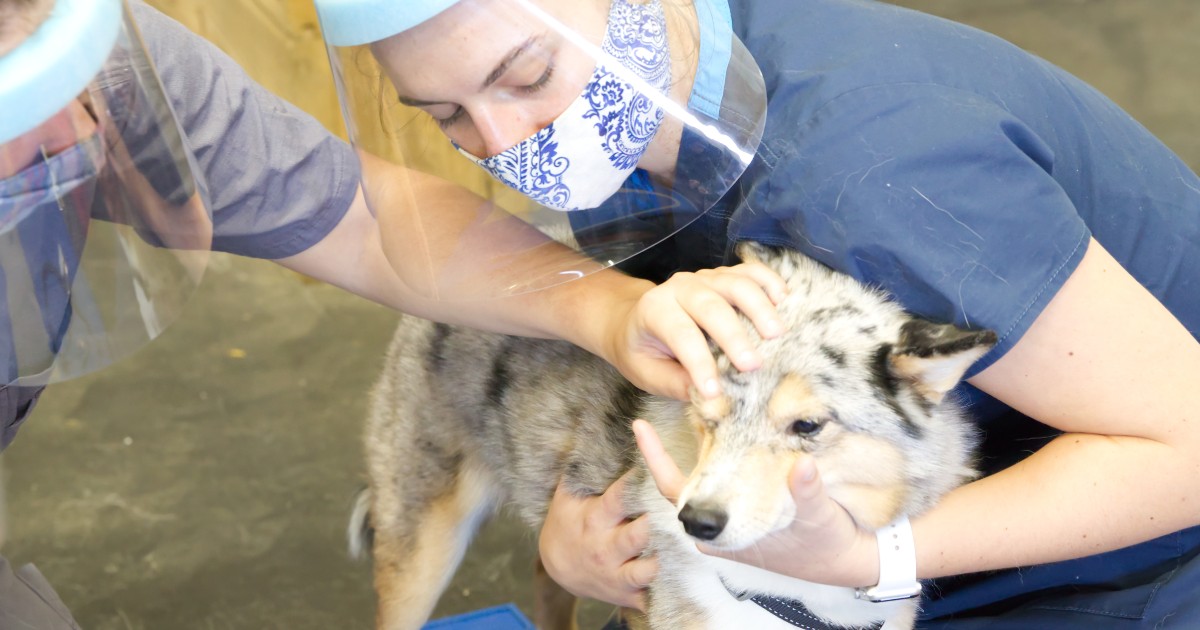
541	82
451	119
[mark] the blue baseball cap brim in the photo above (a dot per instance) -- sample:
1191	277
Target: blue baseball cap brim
358	22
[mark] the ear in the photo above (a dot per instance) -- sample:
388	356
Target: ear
934	357
780	260
750	251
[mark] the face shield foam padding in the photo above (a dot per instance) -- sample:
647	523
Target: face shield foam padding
104	229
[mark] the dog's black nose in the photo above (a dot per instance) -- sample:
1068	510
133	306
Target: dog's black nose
703	522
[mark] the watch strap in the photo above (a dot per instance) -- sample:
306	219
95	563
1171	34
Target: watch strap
897	565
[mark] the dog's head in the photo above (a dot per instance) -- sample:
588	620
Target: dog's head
856	383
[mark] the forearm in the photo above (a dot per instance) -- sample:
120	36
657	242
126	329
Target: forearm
1077	496
430	230
353	257
1120	381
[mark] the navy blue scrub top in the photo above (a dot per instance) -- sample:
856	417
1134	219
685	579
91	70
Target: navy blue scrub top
965	177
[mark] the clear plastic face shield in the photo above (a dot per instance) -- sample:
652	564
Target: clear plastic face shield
104	232
541	140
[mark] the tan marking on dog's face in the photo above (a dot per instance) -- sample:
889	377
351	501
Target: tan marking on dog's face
749	484
865	475
704	438
794	400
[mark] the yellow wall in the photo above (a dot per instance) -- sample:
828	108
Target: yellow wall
279	44
276	41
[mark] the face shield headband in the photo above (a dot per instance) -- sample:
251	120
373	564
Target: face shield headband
104	230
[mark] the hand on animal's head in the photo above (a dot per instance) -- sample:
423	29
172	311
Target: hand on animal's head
660	342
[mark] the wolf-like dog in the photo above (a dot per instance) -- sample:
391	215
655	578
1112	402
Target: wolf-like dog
463	422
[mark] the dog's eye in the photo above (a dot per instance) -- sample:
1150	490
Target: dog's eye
804	428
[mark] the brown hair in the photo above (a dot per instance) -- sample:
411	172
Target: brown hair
19	18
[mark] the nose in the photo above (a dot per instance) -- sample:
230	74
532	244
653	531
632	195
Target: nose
703	522
501	127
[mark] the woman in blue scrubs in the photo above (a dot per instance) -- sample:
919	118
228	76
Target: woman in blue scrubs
976	183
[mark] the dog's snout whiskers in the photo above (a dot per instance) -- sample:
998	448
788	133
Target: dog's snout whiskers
703	522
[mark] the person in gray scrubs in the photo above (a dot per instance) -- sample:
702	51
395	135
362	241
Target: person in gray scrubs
123	130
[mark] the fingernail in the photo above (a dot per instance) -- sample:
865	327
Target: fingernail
748	360
808	469
711	387
774	328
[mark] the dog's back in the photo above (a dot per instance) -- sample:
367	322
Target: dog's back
463	421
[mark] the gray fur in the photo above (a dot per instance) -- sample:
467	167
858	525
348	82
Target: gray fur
521	413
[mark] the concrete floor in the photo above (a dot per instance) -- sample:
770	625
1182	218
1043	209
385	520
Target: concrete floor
205	482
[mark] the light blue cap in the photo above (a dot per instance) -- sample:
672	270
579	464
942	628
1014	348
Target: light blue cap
40	76
357	22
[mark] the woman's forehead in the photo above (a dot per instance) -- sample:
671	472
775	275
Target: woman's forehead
465	42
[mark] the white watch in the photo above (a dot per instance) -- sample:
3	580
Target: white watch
897	565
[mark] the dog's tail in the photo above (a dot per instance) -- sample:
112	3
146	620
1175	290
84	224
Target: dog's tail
359	533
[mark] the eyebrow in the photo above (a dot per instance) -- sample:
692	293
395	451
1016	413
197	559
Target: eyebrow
492	77
509	59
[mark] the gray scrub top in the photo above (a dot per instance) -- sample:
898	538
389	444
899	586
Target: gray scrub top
278	182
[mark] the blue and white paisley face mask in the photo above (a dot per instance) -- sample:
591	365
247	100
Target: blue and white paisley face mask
582	158
67	178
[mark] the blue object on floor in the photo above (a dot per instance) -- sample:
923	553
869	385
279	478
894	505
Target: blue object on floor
506	617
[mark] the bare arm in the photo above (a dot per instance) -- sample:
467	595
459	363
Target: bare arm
1110	366
654	335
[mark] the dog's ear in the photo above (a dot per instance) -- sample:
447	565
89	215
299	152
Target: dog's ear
781	261
934	357
750	251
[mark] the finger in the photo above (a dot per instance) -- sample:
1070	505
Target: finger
808	491
638	574
805	482
718	318
770	281
754	303
632	538
675	328
612	502
666	474
666	377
